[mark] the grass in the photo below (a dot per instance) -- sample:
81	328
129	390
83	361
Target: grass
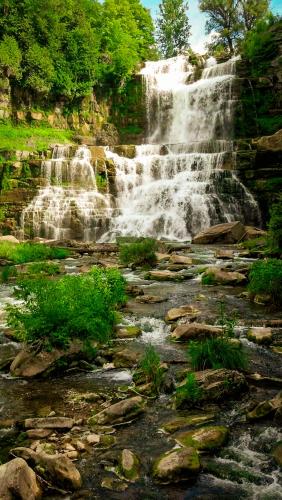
43	268
266	279
27	138
208	279
150	369
190	392
217	352
20	253
54	312
139	253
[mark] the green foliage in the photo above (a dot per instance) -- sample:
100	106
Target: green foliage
43	268
216	352
208	279
139	253
150	367
7	273
101	182
68	47
190	392
28	252
266	278
275	226
30	138
255	244
73	307
173	29
226	322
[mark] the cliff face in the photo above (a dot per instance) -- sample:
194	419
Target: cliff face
257	121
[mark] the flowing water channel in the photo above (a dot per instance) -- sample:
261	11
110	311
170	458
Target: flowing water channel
181	181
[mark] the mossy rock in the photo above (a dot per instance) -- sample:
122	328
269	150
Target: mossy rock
230	471
181	422
205	439
177	465
129	465
128	332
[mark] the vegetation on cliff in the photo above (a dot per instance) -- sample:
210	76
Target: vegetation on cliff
173	29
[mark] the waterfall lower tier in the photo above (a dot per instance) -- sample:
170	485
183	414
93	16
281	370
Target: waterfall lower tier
183	180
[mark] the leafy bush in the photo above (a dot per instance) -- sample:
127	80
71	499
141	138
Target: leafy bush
139	253
7	273
55	311
266	278
275	226
43	268
190	392
29	252
216	352
208	279
150	368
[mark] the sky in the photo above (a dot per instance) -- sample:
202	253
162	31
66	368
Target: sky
197	20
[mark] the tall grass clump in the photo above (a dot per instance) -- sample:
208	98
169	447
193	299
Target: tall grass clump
275	226
216	352
190	392
20	253
266	279
150	369
139	253
53	312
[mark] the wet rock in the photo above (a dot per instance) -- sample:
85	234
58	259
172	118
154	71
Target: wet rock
164	276
129	465
18	480
180	259
8	352
222	253
229	232
124	410
270	142
220	277
277	453
231	471
29	363
252	233
150	299
58	469
205	439
129	150
93	439
191	420
260	335
162	257
196	331
134	290
181	312
128	332
60	423
38	433
220	384
266	408
114	484
177	465
126	358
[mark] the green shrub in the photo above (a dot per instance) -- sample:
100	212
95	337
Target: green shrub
190	392
101	182
55	311
7	273
266	278
216	352
20	253
208	279
150	369
226	322
139	253
43	268
275	226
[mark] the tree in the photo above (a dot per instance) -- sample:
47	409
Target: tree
173	29
230	20
10	57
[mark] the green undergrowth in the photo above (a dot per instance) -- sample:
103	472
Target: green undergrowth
54	312
217	352
141	252
150	370
20	253
27	138
190	392
266	279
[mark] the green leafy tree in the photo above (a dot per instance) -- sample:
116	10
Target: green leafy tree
10	57
173	29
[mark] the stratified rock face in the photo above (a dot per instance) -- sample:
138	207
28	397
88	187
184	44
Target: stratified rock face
177	465
230	232
122	411
18	480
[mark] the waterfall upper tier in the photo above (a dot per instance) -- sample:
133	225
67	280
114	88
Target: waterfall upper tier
181	181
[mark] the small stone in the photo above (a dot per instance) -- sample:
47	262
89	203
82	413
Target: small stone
38	433
196	331
180	259
126	332
72	455
49	423
113	484
80	446
129	464
180	312
119	412
93	439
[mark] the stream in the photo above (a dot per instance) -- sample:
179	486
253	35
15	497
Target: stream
241	469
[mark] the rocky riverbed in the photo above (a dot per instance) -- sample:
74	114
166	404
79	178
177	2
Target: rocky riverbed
116	438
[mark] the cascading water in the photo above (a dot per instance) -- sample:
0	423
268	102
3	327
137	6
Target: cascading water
70	205
181	182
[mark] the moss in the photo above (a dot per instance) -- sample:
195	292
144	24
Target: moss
231	472
206	438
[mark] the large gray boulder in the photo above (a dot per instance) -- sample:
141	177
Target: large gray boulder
18	480
229	232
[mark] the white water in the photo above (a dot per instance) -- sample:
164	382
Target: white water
70	205
181	181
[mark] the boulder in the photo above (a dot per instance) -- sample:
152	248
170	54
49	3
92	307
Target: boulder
277	453
38	433
193	331
31	363
252	233
270	142
181	312
59	469
266	408
221	277
128	332
129	465
164	276
181	422
260	335
150	299
220	383
180	259
222	253
162	257
177	465
9	238
127	409
126	358
229	232
18	480
205	439
58	423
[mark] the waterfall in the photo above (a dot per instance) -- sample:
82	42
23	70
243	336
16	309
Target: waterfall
69	206
183	180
